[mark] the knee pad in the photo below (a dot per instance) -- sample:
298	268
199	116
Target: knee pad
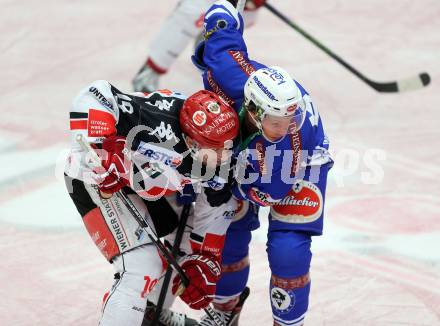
233	282
289	253
236	246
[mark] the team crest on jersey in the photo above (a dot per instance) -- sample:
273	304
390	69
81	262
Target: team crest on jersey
199	118
303	204
282	300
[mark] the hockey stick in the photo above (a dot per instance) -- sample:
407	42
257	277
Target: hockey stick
409	84
176	247
242	298
149	231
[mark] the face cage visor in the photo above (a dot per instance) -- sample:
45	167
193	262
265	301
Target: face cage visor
273	127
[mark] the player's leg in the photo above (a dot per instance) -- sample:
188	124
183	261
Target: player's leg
176	32
289	259
235	264
136	274
291	228
172	208
108	222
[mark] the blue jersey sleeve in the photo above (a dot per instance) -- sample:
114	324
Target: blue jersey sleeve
266	172
225	58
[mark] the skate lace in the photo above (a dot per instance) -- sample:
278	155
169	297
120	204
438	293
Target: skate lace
223	316
171	318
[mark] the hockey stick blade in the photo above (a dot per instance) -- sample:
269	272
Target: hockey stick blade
403	85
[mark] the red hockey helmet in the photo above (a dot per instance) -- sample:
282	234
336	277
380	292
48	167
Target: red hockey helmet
208	120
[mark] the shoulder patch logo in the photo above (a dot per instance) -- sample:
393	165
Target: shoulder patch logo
101	98
100	124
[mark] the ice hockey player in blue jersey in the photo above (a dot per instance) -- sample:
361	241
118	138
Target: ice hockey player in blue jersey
283	165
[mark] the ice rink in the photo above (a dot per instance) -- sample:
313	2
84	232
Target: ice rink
378	262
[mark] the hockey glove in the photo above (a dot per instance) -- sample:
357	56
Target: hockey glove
187	196
203	273
113	174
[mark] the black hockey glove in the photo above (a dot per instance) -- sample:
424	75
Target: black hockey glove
220	194
187	196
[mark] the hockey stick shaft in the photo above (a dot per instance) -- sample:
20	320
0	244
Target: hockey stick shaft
146	227
419	81
176	247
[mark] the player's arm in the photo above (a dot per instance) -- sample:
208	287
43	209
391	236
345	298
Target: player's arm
212	215
320	154
262	176
94	115
223	55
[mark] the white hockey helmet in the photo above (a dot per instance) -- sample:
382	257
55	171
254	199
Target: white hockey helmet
272	92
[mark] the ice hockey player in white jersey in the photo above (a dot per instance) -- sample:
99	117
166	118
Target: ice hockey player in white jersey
182	25
151	146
